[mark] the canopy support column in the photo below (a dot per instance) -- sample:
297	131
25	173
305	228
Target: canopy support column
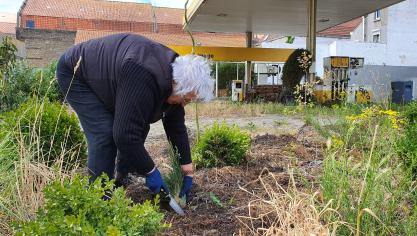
248	72
311	36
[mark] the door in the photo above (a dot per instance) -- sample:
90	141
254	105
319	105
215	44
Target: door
402	91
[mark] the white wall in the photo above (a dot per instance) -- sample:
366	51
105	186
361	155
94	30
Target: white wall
402	34
374	53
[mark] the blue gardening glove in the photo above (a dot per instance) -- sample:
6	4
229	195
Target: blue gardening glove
155	182
187	182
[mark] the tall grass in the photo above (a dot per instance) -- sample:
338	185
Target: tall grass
364	179
22	179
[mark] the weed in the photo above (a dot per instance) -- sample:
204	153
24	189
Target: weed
215	199
251	126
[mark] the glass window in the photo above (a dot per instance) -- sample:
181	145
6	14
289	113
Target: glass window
376	37
30	24
377	15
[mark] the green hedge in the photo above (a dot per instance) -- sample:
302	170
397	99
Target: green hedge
76	208
221	145
20	82
50	127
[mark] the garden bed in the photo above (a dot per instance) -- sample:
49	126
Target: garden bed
218	198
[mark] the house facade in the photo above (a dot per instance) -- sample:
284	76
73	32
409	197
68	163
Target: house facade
49	27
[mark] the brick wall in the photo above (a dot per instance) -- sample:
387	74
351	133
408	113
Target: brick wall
43	45
59	23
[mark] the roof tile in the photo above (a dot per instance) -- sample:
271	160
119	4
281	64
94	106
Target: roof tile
202	39
342	30
7	28
105	10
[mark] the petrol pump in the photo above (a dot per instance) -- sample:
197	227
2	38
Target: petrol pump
237	90
335	86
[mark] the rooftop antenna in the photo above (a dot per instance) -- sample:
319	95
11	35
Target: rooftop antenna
155	23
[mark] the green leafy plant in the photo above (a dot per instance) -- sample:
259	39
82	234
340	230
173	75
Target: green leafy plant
7	54
410	112
215	199
49	125
251	126
21	82
407	143
73	207
174	176
221	145
407	150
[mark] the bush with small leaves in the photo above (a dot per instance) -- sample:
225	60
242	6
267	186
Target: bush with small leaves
407	150
410	112
73	207
221	145
21	82
50	127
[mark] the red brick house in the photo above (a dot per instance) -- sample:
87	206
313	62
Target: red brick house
49	27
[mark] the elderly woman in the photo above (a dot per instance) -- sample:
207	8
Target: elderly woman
120	84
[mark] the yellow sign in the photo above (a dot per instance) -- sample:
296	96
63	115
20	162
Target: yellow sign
338	62
236	54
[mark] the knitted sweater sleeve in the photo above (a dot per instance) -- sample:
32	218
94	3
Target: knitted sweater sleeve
176	131
135	99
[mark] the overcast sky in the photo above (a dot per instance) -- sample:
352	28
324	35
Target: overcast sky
12	6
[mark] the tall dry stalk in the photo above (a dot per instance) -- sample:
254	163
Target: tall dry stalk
277	210
24	172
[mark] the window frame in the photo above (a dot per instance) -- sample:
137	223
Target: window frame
30	24
377	15
376	33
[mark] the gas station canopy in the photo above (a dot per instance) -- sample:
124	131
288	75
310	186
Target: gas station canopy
286	17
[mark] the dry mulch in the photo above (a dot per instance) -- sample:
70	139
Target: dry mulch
268	152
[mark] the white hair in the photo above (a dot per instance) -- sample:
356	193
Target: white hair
192	73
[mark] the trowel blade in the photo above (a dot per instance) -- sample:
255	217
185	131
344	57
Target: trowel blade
175	206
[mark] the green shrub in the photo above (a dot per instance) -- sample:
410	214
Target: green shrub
221	145
54	129
407	150
77	208
7	54
410	112
407	144
292	73
21	82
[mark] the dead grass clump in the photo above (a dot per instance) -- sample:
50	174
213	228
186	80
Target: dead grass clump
225	109
276	210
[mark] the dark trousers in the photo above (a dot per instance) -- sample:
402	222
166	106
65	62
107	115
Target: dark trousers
96	121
